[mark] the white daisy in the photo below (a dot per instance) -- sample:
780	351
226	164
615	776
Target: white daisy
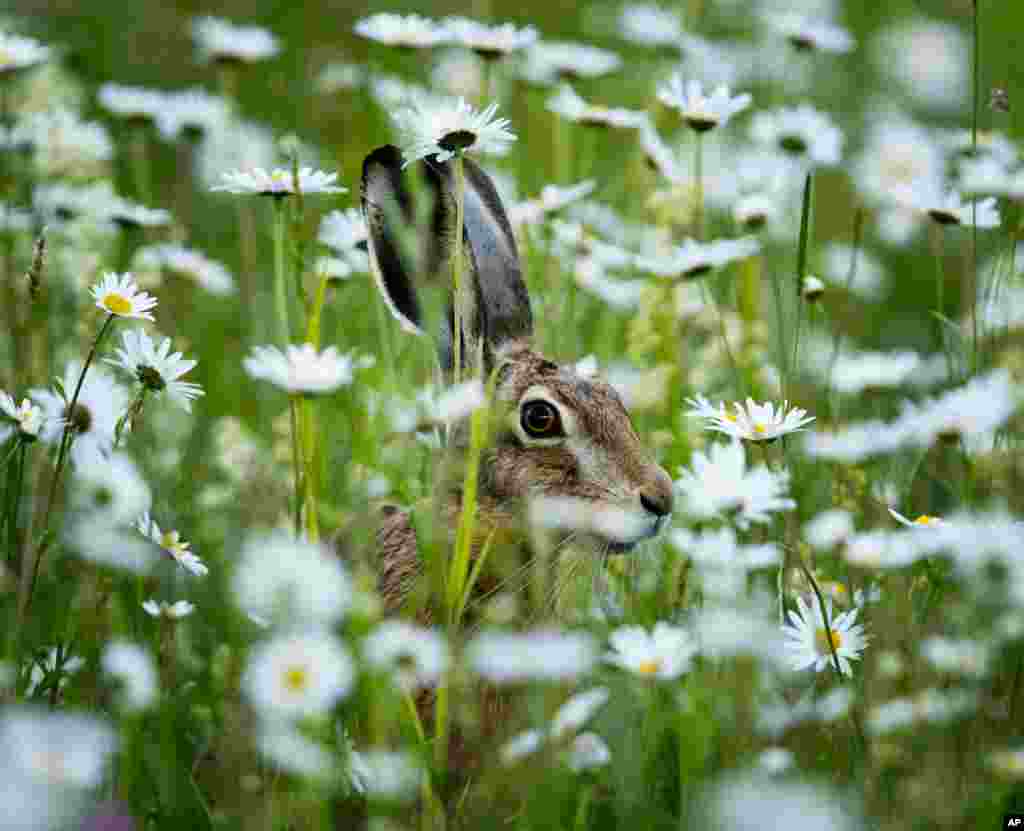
58	750
701	112
283	579
552	199
570	106
444	127
187	262
343	230
812	288
338	76
287	748
588	751
303	370
922	520
111	489
693	259
132	103
57	665
807	637
130	214
25	419
949	208
550	61
972	411
650	25
156	368
418	657
221	40
721	562
752	421
385	774
540	655
829	528
172	611
298	675
720	485
173	545
20	53
61	144
897	156
928	59
810	35
410	31
192	112
662	654
279	182
101	402
133	668
238	145
990	177
117	294
488	42
802	132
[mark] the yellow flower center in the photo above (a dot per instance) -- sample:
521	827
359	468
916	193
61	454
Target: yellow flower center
821	641
759	429
924	519
649	667
168	539
296	679
730	417
117	304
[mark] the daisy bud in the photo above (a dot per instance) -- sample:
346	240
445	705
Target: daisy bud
812	289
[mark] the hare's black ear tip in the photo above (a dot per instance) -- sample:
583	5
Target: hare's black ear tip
386	157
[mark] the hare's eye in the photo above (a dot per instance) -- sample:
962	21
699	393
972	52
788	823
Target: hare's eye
540	420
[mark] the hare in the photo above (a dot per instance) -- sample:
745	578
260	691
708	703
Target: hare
566	435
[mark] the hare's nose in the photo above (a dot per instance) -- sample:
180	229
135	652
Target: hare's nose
656	495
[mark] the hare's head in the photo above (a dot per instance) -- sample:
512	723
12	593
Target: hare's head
566	435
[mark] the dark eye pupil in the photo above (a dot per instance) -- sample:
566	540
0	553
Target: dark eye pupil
540	419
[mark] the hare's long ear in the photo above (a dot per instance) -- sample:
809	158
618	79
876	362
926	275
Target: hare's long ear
405	252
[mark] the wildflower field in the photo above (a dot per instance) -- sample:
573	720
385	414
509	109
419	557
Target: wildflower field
517	416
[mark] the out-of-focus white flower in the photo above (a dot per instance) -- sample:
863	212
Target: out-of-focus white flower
156	368
693	259
384	774
187	262
303	370
829	528
650	25
416	656
279	182
110	488
568	104
338	76
802	132
775	760
808	639
539	655
662	654
18	53
238	145
488	41
721	561
808	34
620	525
930	706
720	485
852	373
59	750
60	143
866	279
989	177
958	657
173	545
549	61
619	294
410	31
25	419
811	288
117	294
343	230
59	661
444	127
700	111
131	103
927	59
568	719
129	214
221	40
133	667
101	402
297	675
972	411
521	745
898	156
577	711
552	198
750	422
742	802
290	750
922	521
881	549
172	611
729	630
192	112
288	580
458	402
588	751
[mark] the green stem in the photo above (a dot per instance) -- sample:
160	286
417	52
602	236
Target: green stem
974	202
698	178
11	516
938	239
296	461
801	268
280	282
140	162
457	287
311	476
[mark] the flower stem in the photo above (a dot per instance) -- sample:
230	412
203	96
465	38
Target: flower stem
976	49
311	477
280	285
457	288
293	405
28	577
698	178
801	269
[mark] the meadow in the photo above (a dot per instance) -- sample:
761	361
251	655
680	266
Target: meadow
785	235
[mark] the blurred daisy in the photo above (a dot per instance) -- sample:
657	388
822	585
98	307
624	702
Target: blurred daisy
929	60
829	528
949	208
721	562
972	411
287	748
384	774
303	370
25	419
59	750
897	156
922	521
552	199
693	259
221	40
132	103
812	288
810	35
282	579
101	402
568	719
752	421
808	639
60	143
57	665
156	368
662	654
133	668
489	42
587	752
802	132
20	53
720	485
445	127
297	675
173	545
701	112
343	230
338	76
539	655
130	214
117	294
110	489
172	611
192	113
417	657
989	177
187	262
410	31
650	25
550	61
279	182
570	106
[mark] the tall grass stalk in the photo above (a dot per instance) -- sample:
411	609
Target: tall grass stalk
801	273
280	276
